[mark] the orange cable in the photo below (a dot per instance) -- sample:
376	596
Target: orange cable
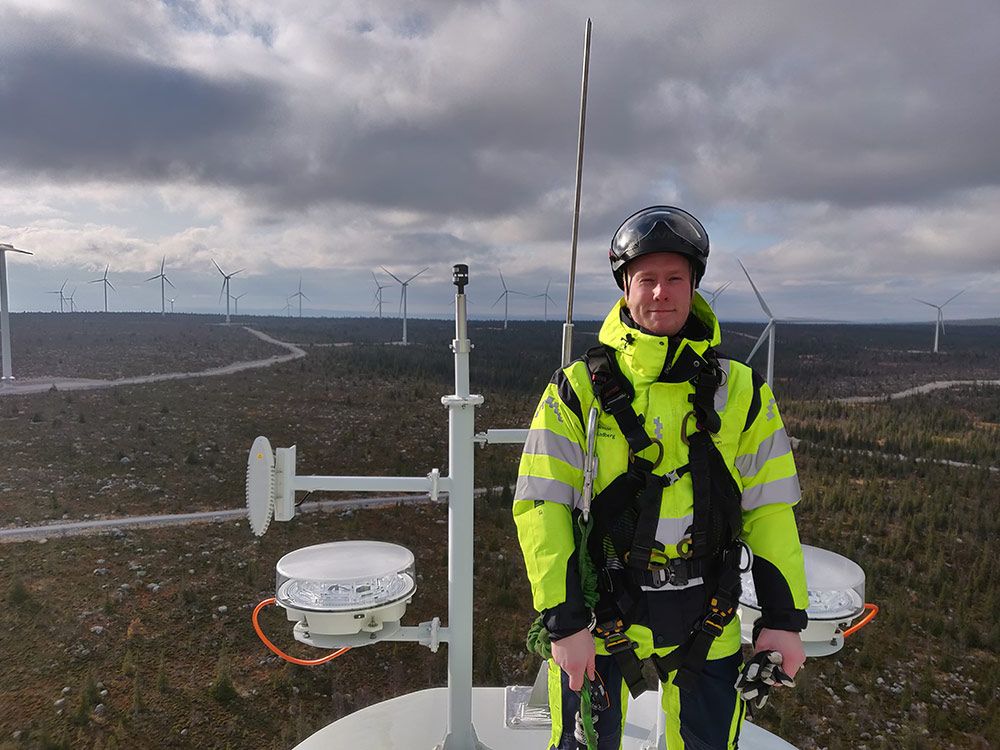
872	610
282	654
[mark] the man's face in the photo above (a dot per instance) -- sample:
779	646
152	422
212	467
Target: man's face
659	292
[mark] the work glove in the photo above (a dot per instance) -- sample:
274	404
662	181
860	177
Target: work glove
762	672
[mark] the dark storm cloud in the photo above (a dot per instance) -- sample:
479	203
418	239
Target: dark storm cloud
78	113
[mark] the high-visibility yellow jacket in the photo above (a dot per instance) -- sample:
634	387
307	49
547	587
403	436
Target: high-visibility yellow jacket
752	440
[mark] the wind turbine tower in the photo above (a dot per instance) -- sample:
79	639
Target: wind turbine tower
225	285
402	294
378	293
236	303
72	304
287	309
504	295
939	323
300	295
545	295
171	301
59	291
163	291
768	329
106	283
4	310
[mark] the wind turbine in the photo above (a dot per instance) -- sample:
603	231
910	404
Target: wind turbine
4	311
768	329
163	291
225	285
546	297
72	304
378	293
59	291
287	309
939	323
107	284
300	295
717	293
236	302
171	301
402	294
503	296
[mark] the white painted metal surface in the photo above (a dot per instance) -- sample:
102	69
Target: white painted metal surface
414	722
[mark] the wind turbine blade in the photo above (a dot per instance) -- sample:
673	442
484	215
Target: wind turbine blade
941	317
547	284
305	297
163	263
416	274
502	282
763	336
724	287
63	286
218	266
106	269
236	272
502	295
153	278
929	304
110	285
168	281
95	281
391	274
223	290
760	298
951	298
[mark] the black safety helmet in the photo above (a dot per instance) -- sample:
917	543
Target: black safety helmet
659	229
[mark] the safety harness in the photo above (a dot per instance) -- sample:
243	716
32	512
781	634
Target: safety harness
623	544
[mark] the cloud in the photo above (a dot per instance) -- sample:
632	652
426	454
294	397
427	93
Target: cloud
837	143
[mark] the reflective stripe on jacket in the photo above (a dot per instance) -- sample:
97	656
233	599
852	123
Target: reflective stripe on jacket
752	440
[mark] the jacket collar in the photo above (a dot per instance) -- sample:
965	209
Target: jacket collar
646	357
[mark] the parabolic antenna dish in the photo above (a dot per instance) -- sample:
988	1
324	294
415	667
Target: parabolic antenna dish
260	486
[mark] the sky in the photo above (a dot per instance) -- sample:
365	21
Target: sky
848	153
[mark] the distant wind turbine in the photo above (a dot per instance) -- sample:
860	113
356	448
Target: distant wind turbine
545	295
939	323
716	294
163	291
59	291
768	329
287	309
171	301
402	294
236	302
72	304
300	295
504	296
378	293
106	283
4	310
225	285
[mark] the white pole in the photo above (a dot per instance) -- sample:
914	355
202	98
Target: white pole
567	342
461	427
770	356
937	329
227	300
5	316
404	314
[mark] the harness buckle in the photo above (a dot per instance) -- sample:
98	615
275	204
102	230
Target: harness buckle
617	642
717	619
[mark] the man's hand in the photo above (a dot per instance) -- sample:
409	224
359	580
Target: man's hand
786	643
575	656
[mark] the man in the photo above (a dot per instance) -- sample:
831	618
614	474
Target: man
638	558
